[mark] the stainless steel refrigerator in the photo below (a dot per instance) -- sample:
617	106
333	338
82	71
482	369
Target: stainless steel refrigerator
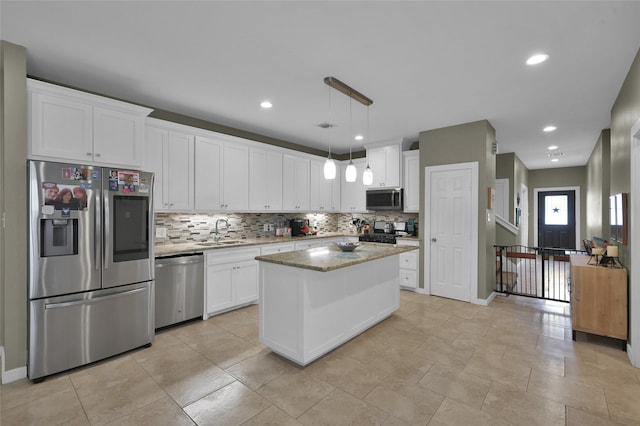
91	289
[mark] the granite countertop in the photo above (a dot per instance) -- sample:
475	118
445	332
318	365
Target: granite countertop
196	247
330	258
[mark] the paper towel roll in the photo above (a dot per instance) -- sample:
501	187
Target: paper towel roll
612	251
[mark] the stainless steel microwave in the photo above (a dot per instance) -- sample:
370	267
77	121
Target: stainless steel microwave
384	199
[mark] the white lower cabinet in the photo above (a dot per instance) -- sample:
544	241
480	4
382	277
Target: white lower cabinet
276	248
231	279
409	268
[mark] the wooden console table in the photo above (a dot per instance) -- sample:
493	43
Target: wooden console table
598	299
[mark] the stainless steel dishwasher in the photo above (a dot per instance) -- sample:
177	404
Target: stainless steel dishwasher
179	288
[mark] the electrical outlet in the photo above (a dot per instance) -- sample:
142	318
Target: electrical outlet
270	227
161	232
265	227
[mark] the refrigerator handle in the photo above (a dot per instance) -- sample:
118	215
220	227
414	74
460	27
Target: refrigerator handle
97	237
106	244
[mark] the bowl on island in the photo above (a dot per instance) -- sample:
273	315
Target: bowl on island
348	246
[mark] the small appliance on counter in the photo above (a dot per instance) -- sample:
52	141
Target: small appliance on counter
299	227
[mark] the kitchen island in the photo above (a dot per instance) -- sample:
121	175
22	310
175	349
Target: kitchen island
312	301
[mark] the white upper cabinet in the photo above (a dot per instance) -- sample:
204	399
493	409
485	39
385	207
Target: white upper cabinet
295	183
385	164
169	155
353	194
411	183
324	194
265	180
221	175
70	125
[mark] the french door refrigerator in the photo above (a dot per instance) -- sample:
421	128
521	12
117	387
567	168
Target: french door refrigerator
91	288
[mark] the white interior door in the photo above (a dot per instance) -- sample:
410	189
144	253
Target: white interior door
451	211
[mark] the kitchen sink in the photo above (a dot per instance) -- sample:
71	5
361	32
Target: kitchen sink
220	243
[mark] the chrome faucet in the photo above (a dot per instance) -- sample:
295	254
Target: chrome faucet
216	237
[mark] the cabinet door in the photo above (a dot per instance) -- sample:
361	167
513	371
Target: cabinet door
265	180
335	203
220	291
392	157
295	183
591	306
155	160
208	175
317	187
411	181
235	179
378	165
246	281
179	172
117	137
353	194
61	128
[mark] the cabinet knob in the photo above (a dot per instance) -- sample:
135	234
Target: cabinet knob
434	239
97	154
89	154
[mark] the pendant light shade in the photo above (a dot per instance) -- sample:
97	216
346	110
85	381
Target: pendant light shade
367	176
351	173
330	168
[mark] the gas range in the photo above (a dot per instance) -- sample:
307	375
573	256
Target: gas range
378	238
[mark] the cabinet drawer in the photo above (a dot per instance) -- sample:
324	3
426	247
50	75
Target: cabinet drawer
408	279
218	256
409	260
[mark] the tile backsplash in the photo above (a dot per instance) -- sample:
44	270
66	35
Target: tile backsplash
189	227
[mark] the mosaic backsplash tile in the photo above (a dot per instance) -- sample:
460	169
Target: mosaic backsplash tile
198	227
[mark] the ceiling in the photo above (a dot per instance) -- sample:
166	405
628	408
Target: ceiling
426	65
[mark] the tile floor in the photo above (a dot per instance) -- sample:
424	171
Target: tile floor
435	362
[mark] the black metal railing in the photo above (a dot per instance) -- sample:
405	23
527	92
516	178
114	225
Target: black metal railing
540	272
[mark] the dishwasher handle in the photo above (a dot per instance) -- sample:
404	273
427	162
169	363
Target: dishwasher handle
179	260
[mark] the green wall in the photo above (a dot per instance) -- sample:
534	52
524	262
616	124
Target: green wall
598	181
463	143
624	114
13	199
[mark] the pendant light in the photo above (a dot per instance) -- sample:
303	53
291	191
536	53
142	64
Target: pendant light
330	164
350	173
367	175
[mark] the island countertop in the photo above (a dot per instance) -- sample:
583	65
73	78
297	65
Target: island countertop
330	258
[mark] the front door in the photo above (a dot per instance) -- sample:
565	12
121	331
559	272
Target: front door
557	219
449	230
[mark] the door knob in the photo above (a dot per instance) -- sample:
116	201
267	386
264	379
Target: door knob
434	239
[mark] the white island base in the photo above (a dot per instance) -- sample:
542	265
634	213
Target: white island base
305	313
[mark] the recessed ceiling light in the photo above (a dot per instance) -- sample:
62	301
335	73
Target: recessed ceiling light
266	104
359	137
537	59
552	147
554	160
549	129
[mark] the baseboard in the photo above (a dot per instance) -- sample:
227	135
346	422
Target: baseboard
422	291
485	302
11	375
631	355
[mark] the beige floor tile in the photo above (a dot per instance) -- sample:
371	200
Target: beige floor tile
577	417
521	408
406	401
187	386
505	370
261	368
113	389
439	351
228	350
536	359
622	401
602	375
24	391
567	348
408	340
232	405
568	391
452	412
340	408
163	412
458	385
349	375
295	393
272	416
58	408
365	348
468	325
407	366
512	338
174	358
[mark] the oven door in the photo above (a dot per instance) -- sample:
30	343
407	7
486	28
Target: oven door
128	219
